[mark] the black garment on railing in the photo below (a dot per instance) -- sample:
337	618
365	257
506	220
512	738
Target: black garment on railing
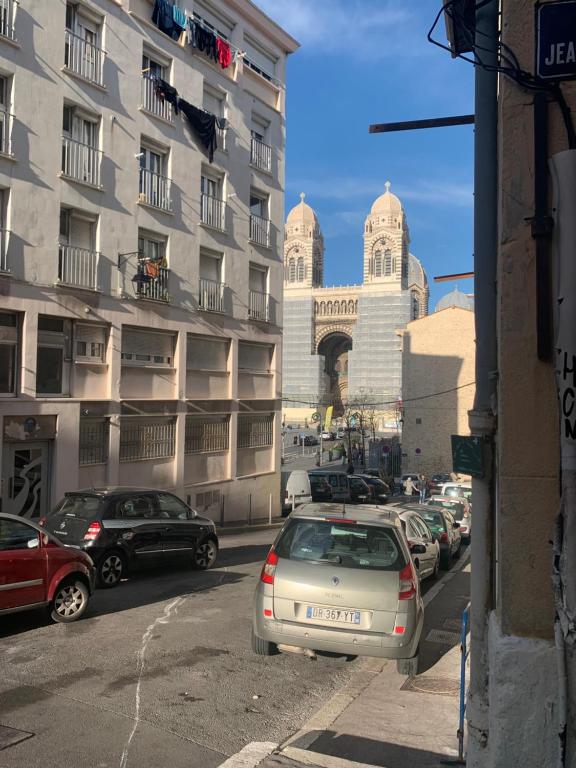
166	91
203	39
203	124
163	17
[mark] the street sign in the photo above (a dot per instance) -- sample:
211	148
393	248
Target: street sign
556	40
468	455
418	451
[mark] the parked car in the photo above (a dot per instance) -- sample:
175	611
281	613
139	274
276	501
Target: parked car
379	491
437	481
445	529
345	488
126	528
461	512
342	583
423	545
328	436
37	571
371	471
456	490
305	439
359	490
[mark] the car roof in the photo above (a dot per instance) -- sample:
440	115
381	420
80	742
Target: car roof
113	490
367	513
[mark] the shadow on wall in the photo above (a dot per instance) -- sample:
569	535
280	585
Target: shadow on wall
431	406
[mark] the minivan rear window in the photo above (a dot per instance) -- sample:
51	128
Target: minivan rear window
85	507
344	545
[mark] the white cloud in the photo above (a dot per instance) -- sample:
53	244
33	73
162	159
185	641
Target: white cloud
359	28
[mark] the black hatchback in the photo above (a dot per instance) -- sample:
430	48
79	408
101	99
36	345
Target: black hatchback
126	528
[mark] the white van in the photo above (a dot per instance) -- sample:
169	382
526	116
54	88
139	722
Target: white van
297	489
456	489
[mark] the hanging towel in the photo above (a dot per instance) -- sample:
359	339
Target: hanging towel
166	91
179	17
163	17
203	124
224	53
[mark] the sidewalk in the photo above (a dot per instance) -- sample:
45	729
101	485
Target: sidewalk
384	719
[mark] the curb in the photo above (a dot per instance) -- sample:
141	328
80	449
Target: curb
232	530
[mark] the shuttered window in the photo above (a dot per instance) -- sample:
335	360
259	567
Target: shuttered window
255	357
207	434
255	430
89	343
147	347
260	60
153	438
204	353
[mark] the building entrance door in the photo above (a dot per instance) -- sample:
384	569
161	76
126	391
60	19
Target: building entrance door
26	479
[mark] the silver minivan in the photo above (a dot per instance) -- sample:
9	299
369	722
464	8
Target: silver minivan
339	579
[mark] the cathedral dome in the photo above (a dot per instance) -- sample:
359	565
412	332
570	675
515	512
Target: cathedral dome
387	204
416	274
455	299
302	213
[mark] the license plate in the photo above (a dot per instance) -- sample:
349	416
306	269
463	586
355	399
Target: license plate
333	614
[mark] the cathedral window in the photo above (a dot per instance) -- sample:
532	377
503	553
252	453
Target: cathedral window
415	306
322	307
387	263
291	270
377	264
300	270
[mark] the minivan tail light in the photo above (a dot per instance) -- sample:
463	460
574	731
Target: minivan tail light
269	568
443	538
407	588
93	531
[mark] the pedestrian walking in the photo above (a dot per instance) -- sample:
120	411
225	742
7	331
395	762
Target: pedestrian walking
409	486
423	488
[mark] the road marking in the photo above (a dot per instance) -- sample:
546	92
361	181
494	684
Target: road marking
250	755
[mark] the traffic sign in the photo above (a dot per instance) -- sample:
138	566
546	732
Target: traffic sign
556	40
467	455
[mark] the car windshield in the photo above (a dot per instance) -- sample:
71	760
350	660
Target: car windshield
435	521
79	506
348	545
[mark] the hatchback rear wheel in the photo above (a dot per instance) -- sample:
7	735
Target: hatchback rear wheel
205	555
262	647
111	569
70	601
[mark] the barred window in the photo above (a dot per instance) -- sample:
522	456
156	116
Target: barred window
208	498
147	438
255	430
93	441
205	434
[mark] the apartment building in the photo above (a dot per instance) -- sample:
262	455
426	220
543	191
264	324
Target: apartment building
140	279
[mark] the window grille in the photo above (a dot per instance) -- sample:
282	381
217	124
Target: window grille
255	430
206	434
147	439
208	498
93	441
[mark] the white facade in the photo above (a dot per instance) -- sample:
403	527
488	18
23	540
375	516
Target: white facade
141	284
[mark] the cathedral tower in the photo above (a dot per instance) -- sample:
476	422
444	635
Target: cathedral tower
386	241
303	248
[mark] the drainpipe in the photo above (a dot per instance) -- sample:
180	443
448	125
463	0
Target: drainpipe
482	417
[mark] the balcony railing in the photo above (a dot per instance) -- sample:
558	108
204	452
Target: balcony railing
151	280
8	18
260	155
221	137
81	161
259	306
78	267
6	120
211	296
155	190
212	211
153	103
83	58
259	230
4	241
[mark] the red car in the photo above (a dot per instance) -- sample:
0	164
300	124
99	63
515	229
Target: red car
37	571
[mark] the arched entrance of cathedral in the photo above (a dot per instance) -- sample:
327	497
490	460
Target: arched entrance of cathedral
334	347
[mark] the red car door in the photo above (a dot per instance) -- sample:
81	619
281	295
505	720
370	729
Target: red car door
22	565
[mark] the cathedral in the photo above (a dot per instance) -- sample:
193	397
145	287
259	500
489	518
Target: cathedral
343	343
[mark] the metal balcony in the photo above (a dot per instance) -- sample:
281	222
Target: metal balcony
212	211
8	18
155	190
153	103
151	280
78	267
81	161
211	297
260	155
259	306
259	230
83	58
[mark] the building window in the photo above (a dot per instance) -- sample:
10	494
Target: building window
260	150
256	358
211	296
258	297
82	52
259	219
152	71
292	270
53	356
9	344
207	353
147	348
300	270
8	18
5	116
154	186
153	438
151	279
212	206
415	306
80	152
255	430
214	101
377	264
418	421
207	434
89	343
78	259
387	263
259	60
94	436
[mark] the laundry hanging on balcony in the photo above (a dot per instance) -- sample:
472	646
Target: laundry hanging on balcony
224	53
166	92
203	124
163	17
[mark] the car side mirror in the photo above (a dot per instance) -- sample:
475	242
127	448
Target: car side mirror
418	549
455	525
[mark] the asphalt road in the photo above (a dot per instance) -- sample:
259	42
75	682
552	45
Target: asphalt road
160	672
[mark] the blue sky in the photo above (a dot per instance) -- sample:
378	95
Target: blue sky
368	61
